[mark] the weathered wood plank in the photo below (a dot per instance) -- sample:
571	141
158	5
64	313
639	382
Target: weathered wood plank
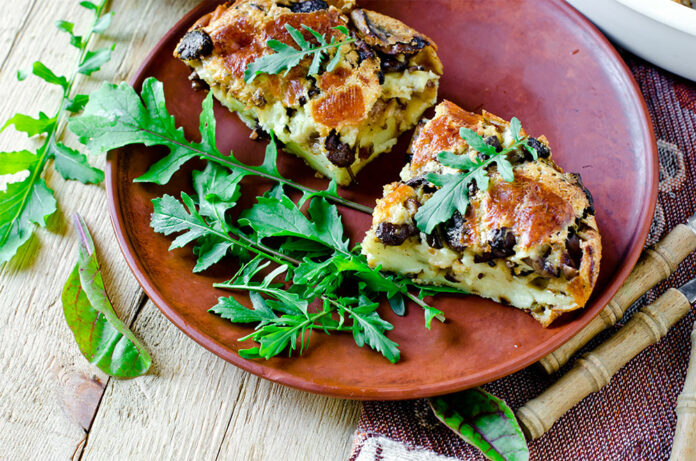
48	391
192	405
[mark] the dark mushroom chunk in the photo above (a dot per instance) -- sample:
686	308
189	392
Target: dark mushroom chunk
494	142
574	250
258	133
338	153
308	6
197	83
195	44
541	149
364	51
434	240
394	234
502	242
410	48
454	232
472	188
391	64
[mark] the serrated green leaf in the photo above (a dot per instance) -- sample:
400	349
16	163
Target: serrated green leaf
286	57
170	216
231	309
102	23
30	125
22	75
505	168
22	205
369	328
484	421
217	190
14	162
102	337
72	164
210	250
452	196
89	5
94	60
40	70
115	116
515	128
65	26
76	103
397	304
476	142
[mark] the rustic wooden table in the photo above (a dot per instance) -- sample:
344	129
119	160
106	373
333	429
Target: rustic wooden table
55	405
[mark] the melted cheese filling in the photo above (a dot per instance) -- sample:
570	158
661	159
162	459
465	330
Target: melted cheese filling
445	267
299	132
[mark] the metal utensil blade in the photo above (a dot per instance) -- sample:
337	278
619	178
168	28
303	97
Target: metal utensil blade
689	290
691	223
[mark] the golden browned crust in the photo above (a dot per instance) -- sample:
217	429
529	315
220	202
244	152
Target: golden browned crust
350	98
549	212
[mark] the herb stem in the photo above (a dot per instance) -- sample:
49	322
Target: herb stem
235	165
51	135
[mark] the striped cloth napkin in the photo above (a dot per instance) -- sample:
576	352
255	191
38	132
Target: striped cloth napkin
633	417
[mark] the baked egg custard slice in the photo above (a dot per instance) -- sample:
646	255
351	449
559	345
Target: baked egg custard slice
337	120
531	243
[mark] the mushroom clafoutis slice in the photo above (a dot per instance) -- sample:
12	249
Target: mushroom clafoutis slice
482	207
336	84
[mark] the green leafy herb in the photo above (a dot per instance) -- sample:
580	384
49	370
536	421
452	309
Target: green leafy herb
30	202
116	116
453	194
484	421
276	230
103	338
286	57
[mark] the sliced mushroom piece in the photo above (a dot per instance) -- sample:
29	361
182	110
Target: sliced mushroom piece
196	44
338	153
385	34
308	6
394	234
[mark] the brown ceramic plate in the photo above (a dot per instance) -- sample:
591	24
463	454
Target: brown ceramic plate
537	60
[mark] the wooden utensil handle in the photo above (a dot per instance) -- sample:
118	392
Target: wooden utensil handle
655	265
595	369
684	446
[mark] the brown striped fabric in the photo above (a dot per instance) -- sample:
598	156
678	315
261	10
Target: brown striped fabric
633	417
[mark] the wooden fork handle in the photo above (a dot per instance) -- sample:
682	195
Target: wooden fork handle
595	369
684	445
655	265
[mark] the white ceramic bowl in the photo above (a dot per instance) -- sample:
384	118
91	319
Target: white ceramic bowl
660	31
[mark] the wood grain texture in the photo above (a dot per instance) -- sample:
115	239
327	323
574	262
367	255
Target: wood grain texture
595	369
656	264
192	405
684	445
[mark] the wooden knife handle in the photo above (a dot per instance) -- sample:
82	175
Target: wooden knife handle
655	265
684	446
594	370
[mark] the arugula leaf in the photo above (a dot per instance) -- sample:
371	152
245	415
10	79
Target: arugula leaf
116	116
102	337
484	421
231	309
369	328
286	57
453	194
29	202
273	217
72	164
14	162
30	125
22	205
